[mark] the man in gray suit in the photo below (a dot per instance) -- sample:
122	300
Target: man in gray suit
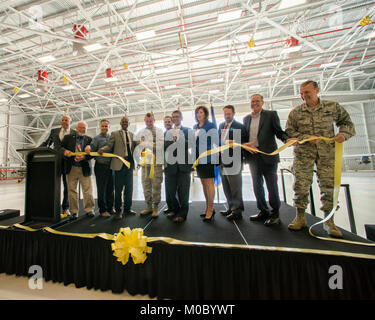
122	144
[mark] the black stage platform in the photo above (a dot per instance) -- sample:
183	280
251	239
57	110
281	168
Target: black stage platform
216	260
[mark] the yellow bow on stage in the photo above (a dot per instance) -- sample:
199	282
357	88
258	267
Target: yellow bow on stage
130	242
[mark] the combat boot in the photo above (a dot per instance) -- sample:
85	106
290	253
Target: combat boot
146	211
331	229
299	222
155	212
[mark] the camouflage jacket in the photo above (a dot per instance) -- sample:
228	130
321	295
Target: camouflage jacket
304	122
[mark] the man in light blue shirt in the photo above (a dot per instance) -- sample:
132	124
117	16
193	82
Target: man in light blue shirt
103	172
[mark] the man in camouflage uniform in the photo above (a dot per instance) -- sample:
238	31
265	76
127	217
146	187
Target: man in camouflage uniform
316	117
152	138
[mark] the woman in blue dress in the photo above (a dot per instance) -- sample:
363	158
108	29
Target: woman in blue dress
206	138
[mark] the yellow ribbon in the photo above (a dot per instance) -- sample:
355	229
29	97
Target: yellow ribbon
106	155
130	242
144	162
234	144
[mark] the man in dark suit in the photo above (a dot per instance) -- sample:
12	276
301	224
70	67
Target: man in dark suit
231	163
177	168
54	139
78	168
121	143
168	124
262	126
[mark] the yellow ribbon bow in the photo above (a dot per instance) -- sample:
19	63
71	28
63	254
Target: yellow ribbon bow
144	162
130	242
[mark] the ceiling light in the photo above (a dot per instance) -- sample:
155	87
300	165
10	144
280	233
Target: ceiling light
254	87
142	100
216	80
176	96
145	35
93	47
69	87
227	16
371	35
129	92
46	59
94	98
268	73
291	3
112	79
170	87
328	65
291	49
214	91
3	100
24	95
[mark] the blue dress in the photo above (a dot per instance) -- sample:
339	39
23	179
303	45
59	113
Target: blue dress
206	138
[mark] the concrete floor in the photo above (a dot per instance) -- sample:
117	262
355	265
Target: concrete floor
362	188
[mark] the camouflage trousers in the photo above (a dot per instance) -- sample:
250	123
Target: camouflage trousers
303	168
152	187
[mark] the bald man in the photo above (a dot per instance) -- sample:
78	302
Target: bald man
54	140
121	143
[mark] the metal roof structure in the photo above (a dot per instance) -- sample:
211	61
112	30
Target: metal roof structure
104	58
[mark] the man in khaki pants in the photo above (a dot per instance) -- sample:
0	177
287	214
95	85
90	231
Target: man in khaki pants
78	168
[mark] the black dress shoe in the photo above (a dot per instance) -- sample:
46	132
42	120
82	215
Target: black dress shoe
73	216
234	216
260	216
129	212
272	221
171	215
178	219
226	213
90	214
167	211
117	216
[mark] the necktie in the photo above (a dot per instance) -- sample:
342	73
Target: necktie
78	149
224	132
128	143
